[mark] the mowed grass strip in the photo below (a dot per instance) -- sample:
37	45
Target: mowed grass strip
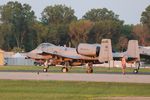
71	70
64	90
19	68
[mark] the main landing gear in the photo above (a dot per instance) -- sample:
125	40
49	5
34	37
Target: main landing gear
45	69
64	69
89	68
137	65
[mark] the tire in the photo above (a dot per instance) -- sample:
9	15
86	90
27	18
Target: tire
64	70
89	70
135	71
45	70
138	65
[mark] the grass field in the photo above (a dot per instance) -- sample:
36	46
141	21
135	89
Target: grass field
72	70
63	90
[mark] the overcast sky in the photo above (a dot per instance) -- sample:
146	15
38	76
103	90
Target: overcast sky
128	10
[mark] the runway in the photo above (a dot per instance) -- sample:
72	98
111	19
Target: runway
128	78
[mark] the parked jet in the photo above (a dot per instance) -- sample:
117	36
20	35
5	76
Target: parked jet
145	53
132	54
83	54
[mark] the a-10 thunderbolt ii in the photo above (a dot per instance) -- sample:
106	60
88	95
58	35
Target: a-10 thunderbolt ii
145	53
83	54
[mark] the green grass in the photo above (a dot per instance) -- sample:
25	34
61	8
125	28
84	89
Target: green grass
63	90
19	68
72	70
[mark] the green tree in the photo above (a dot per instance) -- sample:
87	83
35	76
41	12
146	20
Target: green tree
79	30
41	32
140	33
106	25
126	31
57	18
105	29
57	14
123	43
125	35
19	19
100	14
4	35
145	19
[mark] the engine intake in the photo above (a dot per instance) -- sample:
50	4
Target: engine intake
88	49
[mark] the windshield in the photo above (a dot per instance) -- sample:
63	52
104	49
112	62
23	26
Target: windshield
44	45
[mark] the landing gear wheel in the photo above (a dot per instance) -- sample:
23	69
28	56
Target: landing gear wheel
45	70
135	71
138	65
64	69
89	70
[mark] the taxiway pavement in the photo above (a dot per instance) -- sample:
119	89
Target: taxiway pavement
128	78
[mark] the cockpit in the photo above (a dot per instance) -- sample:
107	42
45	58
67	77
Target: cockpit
44	45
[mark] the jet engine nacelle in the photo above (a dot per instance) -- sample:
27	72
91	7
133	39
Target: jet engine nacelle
88	49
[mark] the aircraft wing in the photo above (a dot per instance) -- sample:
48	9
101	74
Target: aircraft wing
68	54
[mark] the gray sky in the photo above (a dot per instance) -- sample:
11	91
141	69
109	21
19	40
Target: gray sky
128	10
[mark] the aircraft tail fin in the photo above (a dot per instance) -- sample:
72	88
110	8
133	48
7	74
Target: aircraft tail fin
105	51
133	49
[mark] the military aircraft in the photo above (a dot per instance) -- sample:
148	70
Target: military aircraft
145	53
83	54
132	54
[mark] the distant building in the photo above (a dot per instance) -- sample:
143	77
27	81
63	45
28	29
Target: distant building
17	59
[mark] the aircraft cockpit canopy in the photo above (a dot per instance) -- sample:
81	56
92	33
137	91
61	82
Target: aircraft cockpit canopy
45	45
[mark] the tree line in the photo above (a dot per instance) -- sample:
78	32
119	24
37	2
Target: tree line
21	31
